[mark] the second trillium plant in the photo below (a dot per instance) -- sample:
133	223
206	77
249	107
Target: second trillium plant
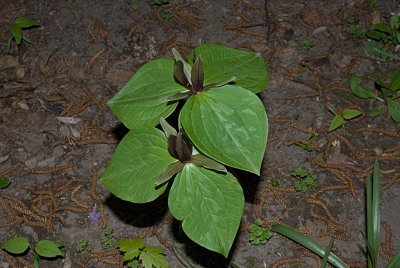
222	123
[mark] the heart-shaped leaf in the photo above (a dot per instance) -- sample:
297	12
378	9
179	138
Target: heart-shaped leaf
222	63
16	245
144	99
47	248
228	124
210	205
136	165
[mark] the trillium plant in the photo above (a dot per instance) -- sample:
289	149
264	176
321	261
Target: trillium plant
222	124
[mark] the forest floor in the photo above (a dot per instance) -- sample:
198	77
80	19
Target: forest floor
85	51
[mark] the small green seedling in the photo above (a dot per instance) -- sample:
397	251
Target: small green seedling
44	248
257	234
384	38
16	30
307	44
139	255
306	180
82	247
166	14
388	93
274	183
354	27
4	182
340	119
107	239
132	4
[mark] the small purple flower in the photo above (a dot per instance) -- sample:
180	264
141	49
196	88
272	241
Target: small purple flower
94	215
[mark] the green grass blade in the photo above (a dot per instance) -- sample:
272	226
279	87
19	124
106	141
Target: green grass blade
373	215
308	243
327	253
394	261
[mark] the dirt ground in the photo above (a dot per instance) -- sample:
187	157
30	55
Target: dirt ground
85	51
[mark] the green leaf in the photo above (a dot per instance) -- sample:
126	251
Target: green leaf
16	245
47	248
307	243
24	22
377	110
359	90
167	128
394	109
4	182
144	98
376	49
395	80
222	63
203	161
349	114
137	163
228	124
16	32
393	263
337	121
326	255
395	21
153	257
131	247
210	205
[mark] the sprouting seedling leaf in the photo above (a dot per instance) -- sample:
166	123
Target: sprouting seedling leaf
349	114
16	245
336	122
48	249
4	182
131	247
16	28
395	80
375	49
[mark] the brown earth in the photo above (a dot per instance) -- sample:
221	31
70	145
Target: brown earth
85	51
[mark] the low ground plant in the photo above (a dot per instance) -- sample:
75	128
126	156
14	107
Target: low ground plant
222	123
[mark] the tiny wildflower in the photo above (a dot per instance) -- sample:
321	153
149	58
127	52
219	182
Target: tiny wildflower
94	215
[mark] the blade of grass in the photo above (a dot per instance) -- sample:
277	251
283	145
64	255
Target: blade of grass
308	243
394	261
373	215
327	253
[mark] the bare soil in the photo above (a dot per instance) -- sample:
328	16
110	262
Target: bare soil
85	51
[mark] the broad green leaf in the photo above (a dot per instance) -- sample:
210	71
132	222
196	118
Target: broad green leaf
137	163
375	111
307	243
222	63
228	124
4	182
153	257
395	80
16	245
359	90
337	121
144	98
210	204
394	109
24	22
349	114
131	247
47	248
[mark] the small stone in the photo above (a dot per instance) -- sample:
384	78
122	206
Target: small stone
20	72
